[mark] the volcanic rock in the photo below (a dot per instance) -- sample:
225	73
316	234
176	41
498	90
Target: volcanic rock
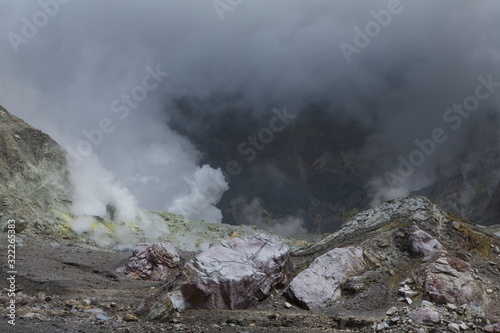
407	247
318	285
454	327
450	281
229	275
426	316
421	251
152	262
423	243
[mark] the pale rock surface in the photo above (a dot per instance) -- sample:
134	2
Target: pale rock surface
232	274
426	316
453	327
423	243
318	285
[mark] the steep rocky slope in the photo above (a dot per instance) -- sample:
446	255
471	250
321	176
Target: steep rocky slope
34	181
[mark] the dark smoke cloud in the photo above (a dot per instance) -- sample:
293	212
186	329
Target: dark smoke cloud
264	54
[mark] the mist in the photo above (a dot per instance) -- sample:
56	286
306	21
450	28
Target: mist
73	77
251	212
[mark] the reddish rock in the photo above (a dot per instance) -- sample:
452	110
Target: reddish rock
152	262
449	280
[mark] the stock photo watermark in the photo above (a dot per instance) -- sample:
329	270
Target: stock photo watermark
257	143
121	107
363	37
454	117
223	6
11	271
248	149
31	26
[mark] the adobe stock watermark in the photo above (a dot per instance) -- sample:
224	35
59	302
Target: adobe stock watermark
223	6
30	27
248	149
363	38
454	118
121	107
11	272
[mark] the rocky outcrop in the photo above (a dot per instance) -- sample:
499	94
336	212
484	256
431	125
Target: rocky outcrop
152	262
417	252
393	214
319	285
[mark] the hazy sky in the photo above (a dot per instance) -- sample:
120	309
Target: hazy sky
411	62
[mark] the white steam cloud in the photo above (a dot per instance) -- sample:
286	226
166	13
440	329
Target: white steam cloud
99	95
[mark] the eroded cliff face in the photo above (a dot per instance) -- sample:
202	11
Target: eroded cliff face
33	173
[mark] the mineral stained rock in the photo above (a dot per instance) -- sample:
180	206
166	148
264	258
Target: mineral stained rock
449	280
318	285
229	275
418	210
421	251
152	262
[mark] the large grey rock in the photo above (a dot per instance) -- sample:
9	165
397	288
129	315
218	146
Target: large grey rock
318	285
423	243
231	274
449	280
152	262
